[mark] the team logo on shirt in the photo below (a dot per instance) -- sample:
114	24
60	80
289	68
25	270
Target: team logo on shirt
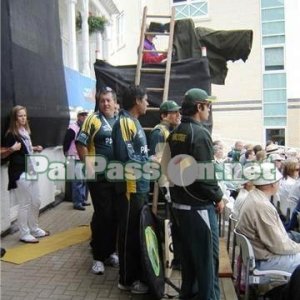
106	128
141	134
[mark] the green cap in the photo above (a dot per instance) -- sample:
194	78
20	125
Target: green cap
169	106
195	95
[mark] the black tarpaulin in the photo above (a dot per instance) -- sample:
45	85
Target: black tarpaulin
185	74
221	45
32	68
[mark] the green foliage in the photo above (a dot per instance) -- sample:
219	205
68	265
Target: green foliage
96	24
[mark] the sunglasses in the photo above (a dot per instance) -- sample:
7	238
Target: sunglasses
105	89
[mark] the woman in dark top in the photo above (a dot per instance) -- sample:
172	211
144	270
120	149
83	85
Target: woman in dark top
20	167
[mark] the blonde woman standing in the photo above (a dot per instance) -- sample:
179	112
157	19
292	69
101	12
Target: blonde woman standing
20	165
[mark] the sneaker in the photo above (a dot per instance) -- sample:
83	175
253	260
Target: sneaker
39	233
28	238
86	204
79	207
98	267
123	287
139	287
113	260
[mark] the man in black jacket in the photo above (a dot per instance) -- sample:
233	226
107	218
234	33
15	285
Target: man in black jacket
195	199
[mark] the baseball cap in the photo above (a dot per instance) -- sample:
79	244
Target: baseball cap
169	106
82	113
262	174
195	95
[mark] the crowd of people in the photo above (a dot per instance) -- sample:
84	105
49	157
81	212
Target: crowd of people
267	209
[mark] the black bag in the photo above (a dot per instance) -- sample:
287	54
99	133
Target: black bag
151	253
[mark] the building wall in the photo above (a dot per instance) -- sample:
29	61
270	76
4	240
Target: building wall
292	13
243	81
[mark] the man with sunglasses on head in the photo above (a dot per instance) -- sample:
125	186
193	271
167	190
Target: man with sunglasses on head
195	204
94	139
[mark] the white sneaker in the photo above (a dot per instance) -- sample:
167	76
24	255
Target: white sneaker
98	267
28	238
139	287
113	260
39	233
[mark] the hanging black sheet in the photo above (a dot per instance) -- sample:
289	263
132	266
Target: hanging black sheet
32	68
185	74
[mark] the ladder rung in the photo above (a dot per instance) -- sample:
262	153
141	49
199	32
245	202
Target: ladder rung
157	16
147	128
155	51
154	89
150	70
156	33
152	108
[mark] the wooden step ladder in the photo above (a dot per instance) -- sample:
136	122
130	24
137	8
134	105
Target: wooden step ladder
165	69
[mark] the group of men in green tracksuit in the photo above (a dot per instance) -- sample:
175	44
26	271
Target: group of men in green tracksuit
194	205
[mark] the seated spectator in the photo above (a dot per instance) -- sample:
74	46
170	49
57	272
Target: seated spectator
247	148
290	175
289	291
243	193
294	201
277	159
235	153
151	57
257	148
272	148
261	156
261	224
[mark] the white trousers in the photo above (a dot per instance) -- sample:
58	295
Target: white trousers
28	198
287	263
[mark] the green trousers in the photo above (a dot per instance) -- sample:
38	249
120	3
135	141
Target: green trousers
198	231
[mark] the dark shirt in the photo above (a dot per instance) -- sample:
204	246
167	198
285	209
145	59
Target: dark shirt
17	160
193	139
130	144
95	134
69	137
158	137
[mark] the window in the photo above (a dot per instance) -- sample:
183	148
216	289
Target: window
277	135
274	59
120	30
190	8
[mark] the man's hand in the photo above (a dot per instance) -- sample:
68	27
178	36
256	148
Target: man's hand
220	206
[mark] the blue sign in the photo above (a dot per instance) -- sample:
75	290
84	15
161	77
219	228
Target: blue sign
80	89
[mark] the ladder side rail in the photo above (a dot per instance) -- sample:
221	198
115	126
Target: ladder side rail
169	56
141	48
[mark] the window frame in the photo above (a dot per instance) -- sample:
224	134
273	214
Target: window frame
275	127
189	2
264	59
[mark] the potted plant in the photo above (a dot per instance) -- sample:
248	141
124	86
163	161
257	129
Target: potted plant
96	23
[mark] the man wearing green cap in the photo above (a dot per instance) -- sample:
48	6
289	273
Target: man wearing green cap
170	118
195	204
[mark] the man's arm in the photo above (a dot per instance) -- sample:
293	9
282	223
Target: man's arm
273	235
156	142
69	137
